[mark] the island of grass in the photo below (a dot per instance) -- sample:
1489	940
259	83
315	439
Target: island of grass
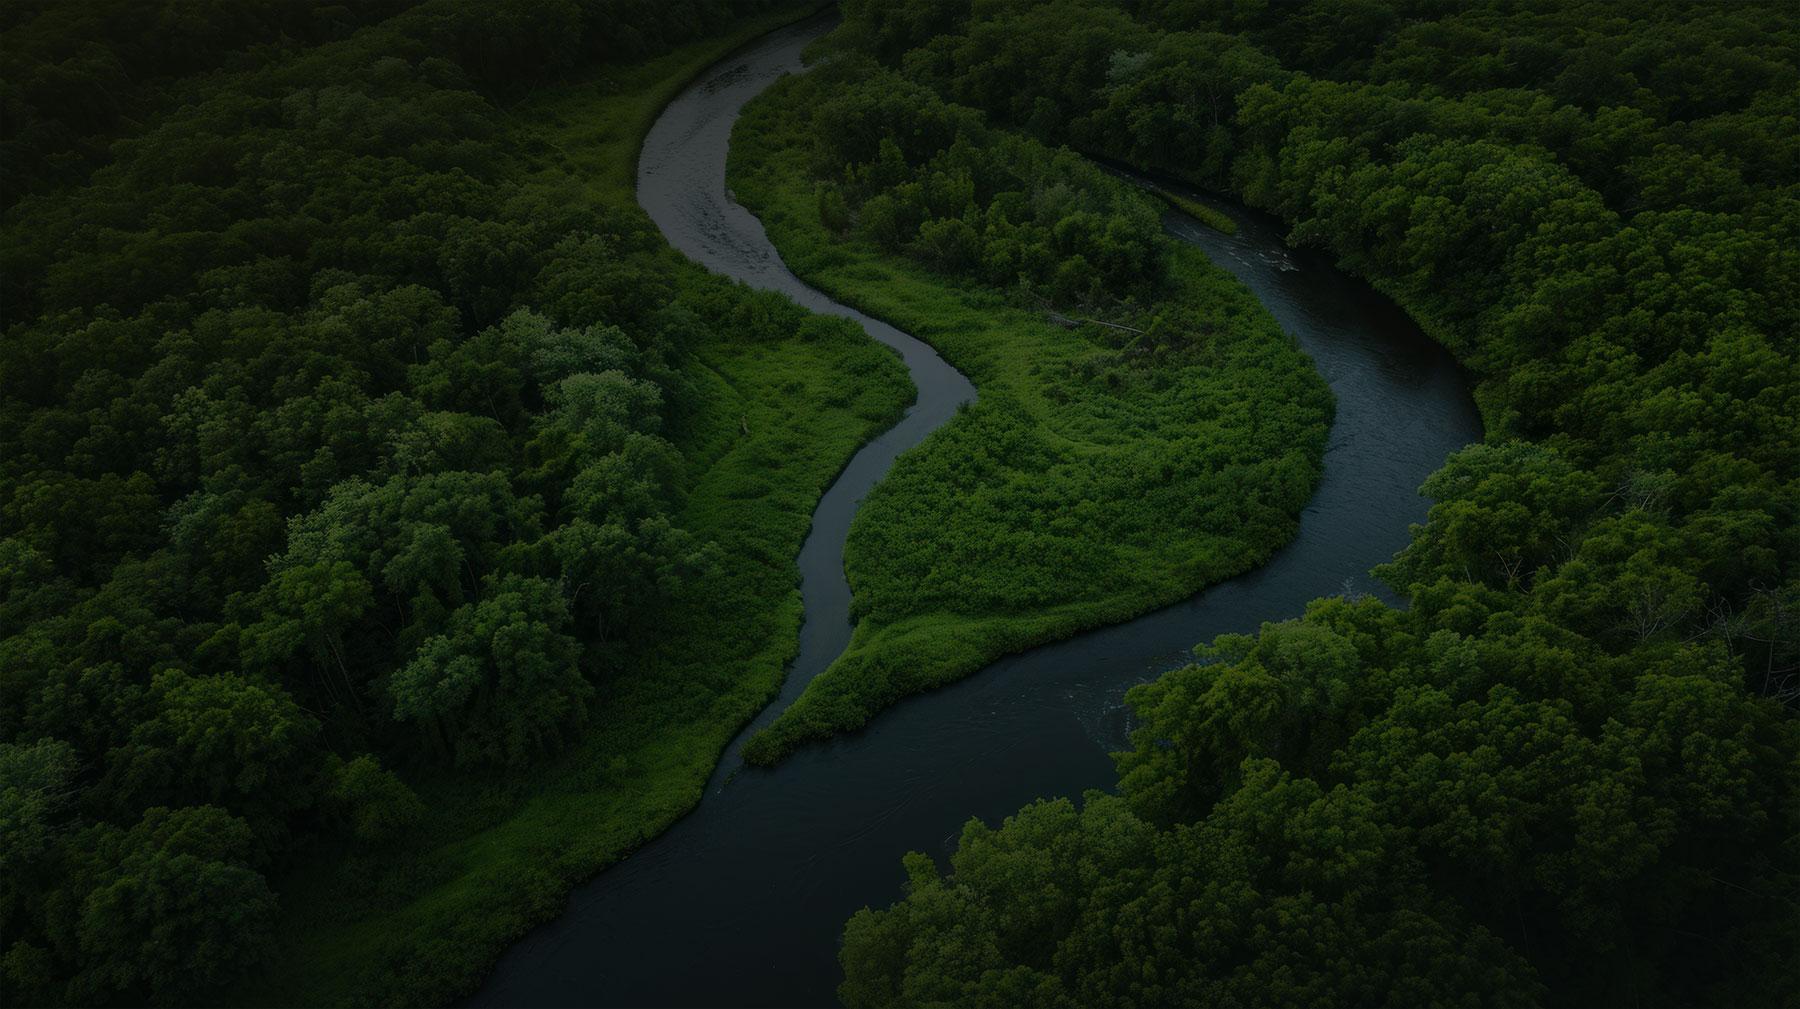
1144	429
1198	211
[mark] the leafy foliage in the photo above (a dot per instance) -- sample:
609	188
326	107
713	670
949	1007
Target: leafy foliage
1368	806
1109	466
1572	758
928	179
349	451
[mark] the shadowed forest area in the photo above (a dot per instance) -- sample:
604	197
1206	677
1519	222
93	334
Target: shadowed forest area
360	445
395	531
1567	772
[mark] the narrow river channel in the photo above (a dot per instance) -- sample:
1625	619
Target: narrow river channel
741	902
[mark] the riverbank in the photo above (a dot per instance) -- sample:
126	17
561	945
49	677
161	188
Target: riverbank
1206	215
1091	483
776	421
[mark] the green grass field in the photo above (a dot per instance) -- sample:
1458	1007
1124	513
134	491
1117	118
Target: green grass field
498	853
1090	482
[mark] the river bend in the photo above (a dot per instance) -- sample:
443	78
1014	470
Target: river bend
741	901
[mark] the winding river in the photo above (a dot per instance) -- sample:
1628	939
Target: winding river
741	902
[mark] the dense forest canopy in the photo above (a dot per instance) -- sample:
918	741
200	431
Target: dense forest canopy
335	440
1568	772
355	452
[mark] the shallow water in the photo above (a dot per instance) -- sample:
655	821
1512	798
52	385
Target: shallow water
742	901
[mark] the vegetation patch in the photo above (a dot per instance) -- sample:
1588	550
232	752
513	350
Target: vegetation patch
1143	428
1565	774
1214	219
393	530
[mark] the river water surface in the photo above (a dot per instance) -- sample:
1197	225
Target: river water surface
742	901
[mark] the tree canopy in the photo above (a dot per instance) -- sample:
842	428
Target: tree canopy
335	442
1566	773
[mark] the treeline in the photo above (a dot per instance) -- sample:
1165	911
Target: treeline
1567	772
332	440
928	179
